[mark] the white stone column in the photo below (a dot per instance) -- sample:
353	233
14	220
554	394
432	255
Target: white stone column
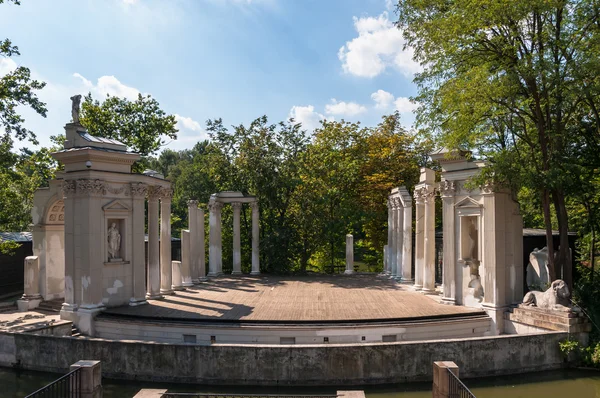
385	259
407	276
399	238
237	254
214	239
201	246
255	239
393	246
429	250
138	261
349	254
176	275
166	266
31	296
193	228
419	237
388	262
153	285
68	192
449	260
186	275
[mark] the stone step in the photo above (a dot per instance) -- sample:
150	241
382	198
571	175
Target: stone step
551	320
51	305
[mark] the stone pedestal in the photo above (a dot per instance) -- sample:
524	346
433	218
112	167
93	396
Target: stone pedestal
571	322
177	283
349	254
441	377
90	377
31	296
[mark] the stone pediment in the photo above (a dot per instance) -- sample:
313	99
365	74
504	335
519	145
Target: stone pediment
116	206
467	202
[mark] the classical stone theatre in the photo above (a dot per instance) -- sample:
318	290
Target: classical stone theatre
102	249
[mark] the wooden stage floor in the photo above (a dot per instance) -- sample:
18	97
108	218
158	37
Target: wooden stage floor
278	299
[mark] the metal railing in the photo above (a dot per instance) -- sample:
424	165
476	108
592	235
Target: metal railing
456	388
67	386
198	395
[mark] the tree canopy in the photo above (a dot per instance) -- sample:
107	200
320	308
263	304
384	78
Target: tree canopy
516	81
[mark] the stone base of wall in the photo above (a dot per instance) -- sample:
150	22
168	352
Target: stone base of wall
571	322
343	364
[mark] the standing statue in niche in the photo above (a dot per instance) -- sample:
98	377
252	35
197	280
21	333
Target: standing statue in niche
471	259
75	102
114	243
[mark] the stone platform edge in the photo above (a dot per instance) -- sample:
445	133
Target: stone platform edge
293	365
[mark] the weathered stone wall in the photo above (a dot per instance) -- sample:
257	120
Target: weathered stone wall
286	365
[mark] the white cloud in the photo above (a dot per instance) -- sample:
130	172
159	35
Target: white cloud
187	123
109	85
379	45
382	99
130	2
7	65
404	105
344	108
307	116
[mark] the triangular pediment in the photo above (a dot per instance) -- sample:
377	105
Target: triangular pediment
467	202
115	205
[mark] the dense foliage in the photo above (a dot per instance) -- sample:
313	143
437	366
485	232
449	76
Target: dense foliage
313	189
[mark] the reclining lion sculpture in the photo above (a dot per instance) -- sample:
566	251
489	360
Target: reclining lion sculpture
555	298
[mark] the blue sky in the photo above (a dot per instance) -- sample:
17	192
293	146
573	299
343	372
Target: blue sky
204	59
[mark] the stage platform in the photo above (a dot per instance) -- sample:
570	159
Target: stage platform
344	309
310	299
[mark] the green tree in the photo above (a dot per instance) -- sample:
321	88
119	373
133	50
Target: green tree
17	88
141	124
512	79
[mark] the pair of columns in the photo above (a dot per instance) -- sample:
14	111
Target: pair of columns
215	251
398	254
160	281
425	232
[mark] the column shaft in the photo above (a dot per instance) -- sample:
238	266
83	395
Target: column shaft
387	253
419	239
407	276
429	251
138	261
255	239
166	267
201	246
399	239
237	255
214	249
193	228
153	285
393	246
186	275
349	254
449	260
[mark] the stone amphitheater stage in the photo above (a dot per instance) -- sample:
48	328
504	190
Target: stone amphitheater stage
278	309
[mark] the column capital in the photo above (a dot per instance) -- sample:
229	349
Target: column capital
236	205
138	189
447	188
254	205
488	188
166	193
154	192
397	203
215	206
192	203
68	188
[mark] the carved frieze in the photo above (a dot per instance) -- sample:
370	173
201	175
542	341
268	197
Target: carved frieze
68	188
154	192
90	187
447	188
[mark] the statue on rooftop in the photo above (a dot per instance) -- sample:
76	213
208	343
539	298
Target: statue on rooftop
75	102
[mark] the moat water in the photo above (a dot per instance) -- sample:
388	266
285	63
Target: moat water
562	383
